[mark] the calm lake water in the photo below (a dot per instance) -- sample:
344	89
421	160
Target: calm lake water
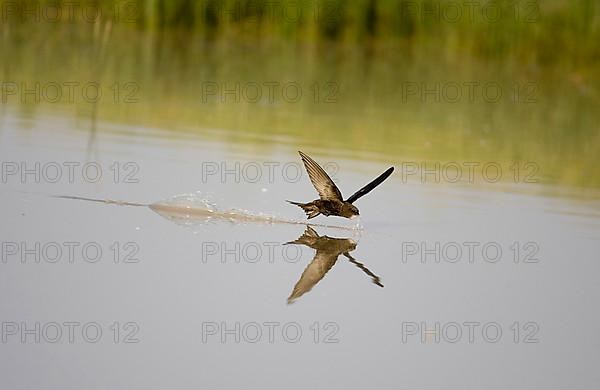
489	282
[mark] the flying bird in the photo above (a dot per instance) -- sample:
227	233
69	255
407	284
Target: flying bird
331	201
328	249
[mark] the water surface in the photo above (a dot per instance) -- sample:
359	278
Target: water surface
186	199
182	286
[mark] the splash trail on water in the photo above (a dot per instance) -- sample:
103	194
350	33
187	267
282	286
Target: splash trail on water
106	201
194	210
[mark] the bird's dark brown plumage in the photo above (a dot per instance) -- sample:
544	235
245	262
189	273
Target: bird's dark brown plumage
330	200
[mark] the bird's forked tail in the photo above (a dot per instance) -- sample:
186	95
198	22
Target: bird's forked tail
309	208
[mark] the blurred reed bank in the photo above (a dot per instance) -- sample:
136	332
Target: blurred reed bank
505	81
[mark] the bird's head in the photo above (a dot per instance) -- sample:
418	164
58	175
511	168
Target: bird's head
350	211
352	246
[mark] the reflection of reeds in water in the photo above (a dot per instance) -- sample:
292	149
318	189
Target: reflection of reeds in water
101	38
179	49
559	132
545	31
4	48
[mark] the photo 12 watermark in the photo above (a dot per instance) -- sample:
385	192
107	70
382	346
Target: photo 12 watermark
69	11
470	332
250	252
269	332
469	92
68	92
255	172
265	12
70	252
470	11
470	252
63	172
69	332
269	92
469	172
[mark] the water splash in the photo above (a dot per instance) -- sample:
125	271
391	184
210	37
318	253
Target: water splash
198	209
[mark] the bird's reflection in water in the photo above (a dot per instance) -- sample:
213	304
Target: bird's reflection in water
328	249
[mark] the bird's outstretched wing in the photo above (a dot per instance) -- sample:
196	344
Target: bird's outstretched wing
323	184
369	187
314	272
374	278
